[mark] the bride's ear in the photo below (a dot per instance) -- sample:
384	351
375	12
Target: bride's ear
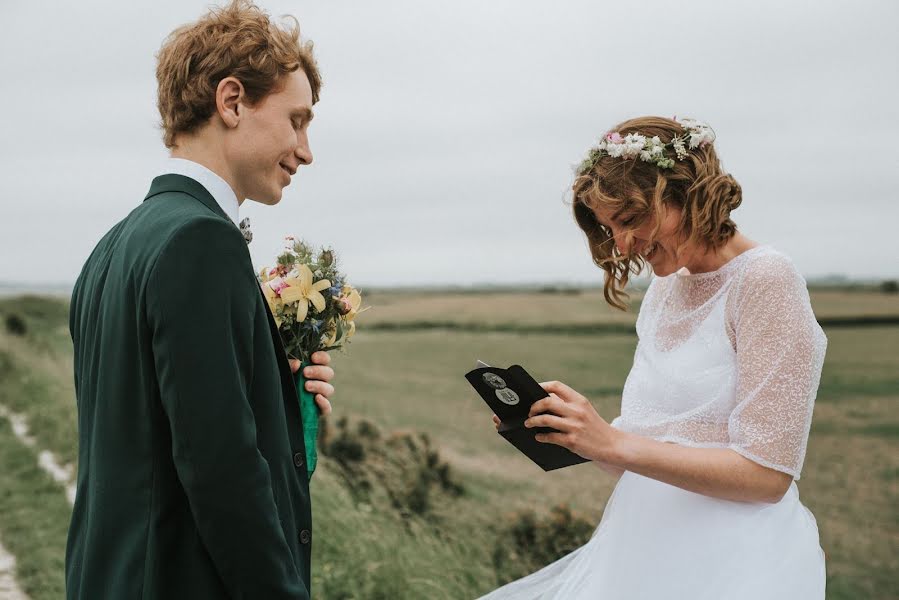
229	98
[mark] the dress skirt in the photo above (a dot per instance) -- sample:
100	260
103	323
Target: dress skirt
659	541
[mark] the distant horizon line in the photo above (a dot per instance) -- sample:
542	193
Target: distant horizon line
13	287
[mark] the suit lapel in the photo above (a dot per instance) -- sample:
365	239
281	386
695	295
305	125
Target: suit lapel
287	380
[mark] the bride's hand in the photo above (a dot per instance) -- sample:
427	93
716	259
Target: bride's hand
580	428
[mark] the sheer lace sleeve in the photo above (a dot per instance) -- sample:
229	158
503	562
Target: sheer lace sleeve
780	351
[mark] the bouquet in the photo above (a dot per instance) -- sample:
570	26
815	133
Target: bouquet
314	309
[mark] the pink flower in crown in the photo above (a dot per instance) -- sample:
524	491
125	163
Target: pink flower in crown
614	137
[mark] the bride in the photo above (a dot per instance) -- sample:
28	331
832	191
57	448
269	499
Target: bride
716	410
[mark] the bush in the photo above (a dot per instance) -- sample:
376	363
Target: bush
890	286
15	325
402	469
526	543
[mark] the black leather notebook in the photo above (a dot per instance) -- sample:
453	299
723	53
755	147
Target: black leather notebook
510	394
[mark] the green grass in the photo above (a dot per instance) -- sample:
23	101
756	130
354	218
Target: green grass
34	519
413	380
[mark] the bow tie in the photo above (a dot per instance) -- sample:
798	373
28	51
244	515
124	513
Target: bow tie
245	229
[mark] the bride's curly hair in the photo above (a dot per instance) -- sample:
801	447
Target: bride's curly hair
639	191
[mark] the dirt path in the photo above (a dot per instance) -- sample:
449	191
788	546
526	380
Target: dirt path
61	474
9	589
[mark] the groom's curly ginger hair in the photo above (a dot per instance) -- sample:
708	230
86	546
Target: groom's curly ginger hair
238	40
640	191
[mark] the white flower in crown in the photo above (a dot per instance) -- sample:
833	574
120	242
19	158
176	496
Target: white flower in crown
700	133
679	148
633	145
701	138
615	150
652	150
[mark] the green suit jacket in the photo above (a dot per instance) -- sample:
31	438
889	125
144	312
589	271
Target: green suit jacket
191	465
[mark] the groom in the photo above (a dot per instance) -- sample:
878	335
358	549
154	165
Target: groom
192	479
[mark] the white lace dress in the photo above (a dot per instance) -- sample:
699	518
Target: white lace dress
727	359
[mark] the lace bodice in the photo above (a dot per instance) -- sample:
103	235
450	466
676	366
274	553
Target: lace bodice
730	358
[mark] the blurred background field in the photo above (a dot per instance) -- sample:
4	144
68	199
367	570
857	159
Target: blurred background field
416	495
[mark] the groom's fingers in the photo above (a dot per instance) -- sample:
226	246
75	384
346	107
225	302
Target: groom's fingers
321	358
320	387
323	405
319	373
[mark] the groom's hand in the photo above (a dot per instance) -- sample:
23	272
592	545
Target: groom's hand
318	376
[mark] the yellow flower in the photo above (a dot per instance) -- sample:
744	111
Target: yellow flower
330	337
355	299
301	289
274	302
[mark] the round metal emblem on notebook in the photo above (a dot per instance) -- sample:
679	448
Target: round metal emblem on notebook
506	395
494	380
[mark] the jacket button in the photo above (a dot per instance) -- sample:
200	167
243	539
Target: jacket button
298	460
305	536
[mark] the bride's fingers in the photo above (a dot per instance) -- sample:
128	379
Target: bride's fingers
547	420
552	404
560	439
563	391
324	405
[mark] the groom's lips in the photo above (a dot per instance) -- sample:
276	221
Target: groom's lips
292	172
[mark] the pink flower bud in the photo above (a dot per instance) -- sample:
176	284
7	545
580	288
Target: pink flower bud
343	306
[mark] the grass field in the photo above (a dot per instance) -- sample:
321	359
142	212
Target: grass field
405	377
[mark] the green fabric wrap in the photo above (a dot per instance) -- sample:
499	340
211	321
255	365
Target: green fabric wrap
309	412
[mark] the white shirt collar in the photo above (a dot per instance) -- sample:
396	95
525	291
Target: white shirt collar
215	185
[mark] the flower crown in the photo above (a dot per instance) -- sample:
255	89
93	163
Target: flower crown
652	150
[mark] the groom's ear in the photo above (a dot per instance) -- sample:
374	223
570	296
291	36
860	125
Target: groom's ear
229	98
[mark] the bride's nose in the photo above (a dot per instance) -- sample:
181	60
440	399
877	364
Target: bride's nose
623	240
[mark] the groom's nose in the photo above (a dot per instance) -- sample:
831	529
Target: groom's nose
302	151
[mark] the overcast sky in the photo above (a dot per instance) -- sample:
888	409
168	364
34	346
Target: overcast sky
446	132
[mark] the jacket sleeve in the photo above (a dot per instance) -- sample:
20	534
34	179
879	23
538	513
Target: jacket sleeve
200	305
